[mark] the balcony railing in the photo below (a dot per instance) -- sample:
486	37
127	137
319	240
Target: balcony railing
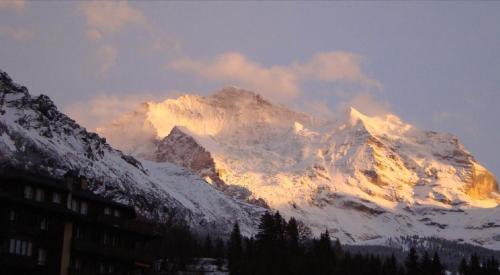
113	252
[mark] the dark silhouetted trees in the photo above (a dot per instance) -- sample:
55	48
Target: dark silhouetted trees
235	251
474	266
286	247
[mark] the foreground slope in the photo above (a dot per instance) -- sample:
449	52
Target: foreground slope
366	179
35	136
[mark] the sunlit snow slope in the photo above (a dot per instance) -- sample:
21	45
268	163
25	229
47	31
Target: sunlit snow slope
363	178
35	136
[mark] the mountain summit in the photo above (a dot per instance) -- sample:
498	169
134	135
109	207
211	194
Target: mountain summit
365	179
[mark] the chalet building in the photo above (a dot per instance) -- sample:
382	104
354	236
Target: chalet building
50	226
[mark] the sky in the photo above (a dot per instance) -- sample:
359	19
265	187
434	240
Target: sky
434	64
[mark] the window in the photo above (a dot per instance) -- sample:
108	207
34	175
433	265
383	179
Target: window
105	238
102	268
30	249
79	233
107	211
111	269
44	224
12	246
42	256
75	205
114	240
20	247
39	194
77	264
28	192
56	198
116	213
12	215
24	248
84	208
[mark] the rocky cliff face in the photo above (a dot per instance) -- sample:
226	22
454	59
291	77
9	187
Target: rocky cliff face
35	136
364	178
182	149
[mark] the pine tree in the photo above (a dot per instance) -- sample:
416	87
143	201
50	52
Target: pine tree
474	266
390	266
279	227
337	249
324	253
436	267
425	264
265	245
235	251
411	263
491	267
463	268
207	246
266	233
219	252
292	236
325	242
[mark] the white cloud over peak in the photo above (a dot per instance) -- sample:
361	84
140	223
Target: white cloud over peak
235	67
278	82
366	103
335	66
104	108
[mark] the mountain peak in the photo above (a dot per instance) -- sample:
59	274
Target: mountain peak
233	95
355	115
7	85
233	91
364	167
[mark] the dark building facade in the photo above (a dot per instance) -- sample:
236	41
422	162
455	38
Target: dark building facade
50	226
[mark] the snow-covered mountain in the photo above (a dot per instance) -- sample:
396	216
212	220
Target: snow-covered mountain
35	136
365	179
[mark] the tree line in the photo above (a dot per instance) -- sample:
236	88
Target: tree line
286	247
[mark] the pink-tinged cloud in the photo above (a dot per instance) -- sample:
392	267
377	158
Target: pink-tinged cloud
335	66
16	33
281	83
368	104
235	68
107	17
17	5
107	56
104	108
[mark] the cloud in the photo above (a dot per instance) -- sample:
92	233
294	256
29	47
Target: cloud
335	66
235	67
278	82
363	101
16	33
317	108
102	109
366	103
17	5
107	17
107	56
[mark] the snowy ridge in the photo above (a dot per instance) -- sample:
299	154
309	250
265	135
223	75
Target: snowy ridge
366	179
34	135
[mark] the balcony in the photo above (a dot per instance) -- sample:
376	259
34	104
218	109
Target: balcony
118	253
